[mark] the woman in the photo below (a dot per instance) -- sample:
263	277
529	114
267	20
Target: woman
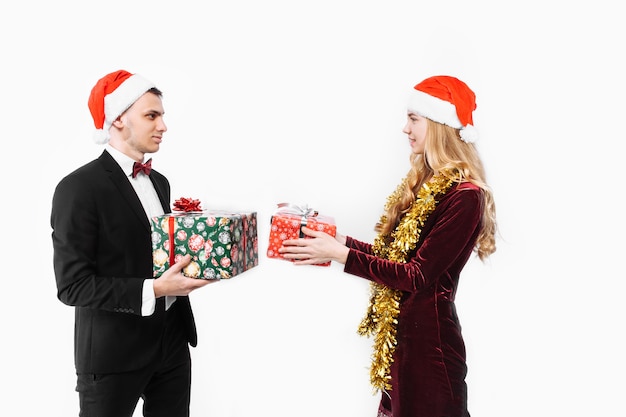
441	212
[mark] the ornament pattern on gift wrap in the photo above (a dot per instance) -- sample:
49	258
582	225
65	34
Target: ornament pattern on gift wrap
222	245
211	242
250	249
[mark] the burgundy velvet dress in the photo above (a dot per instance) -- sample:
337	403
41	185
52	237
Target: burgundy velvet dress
429	367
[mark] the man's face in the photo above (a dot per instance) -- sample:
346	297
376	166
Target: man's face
143	124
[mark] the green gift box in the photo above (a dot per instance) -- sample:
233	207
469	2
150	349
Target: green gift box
222	244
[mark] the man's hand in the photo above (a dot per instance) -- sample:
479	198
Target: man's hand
173	282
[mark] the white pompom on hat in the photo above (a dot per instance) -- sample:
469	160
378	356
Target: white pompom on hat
112	95
447	100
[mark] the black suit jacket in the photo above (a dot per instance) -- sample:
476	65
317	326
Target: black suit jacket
102	255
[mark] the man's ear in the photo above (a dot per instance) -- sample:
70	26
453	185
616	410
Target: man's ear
118	123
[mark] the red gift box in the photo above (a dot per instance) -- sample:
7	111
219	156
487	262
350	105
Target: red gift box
287	222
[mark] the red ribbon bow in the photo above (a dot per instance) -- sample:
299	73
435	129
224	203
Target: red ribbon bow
145	168
187	204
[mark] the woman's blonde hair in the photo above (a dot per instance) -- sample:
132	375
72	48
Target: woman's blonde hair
444	149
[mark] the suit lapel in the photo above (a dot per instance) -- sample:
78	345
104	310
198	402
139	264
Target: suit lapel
161	193
118	177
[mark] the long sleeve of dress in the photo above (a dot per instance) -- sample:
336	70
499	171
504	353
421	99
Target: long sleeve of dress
445	244
358	245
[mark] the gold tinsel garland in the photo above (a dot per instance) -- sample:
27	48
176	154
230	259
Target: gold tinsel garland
381	319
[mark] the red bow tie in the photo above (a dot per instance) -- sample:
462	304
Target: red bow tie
145	168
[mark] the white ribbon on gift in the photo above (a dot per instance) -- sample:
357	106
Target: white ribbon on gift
303	211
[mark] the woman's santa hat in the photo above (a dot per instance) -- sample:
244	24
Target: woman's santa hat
446	100
112	95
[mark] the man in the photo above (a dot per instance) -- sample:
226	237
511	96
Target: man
132	332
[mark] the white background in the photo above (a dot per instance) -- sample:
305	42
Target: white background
272	101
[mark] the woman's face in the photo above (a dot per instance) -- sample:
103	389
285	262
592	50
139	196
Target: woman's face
416	127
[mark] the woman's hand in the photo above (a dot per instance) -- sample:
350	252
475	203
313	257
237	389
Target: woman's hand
317	248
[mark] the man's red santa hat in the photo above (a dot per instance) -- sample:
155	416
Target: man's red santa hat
112	95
